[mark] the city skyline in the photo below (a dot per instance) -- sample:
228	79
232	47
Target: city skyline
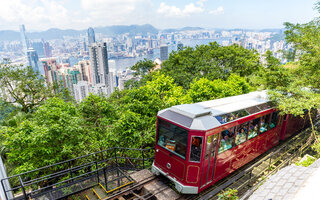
39	15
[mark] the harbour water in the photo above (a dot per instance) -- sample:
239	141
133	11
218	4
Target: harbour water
122	64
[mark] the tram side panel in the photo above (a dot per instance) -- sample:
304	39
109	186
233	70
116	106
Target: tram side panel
292	125
256	144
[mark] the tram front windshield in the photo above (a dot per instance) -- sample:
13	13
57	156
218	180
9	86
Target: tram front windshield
172	138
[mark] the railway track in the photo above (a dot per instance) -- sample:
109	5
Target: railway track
245	180
125	191
128	191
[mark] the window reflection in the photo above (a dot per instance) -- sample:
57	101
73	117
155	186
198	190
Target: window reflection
196	147
172	138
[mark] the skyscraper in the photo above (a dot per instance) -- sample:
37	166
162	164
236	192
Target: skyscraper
99	64
163	52
179	46
38	46
91	36
24	40
33	60
47	49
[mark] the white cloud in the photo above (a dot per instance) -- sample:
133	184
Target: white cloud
201	2
35	14
111	12
173	11
218	11
45	14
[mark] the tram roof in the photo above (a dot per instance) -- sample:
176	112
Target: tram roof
208	114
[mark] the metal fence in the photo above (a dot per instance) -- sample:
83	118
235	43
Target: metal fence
75	175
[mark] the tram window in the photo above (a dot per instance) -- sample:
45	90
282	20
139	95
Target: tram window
265	106
173	138
240	113
225	118
265	121
274	119
242	133
226	141
196	147
211	145
253	128
253	109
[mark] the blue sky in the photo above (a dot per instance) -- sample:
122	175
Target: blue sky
80	14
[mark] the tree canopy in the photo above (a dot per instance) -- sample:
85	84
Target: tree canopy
23	86
210	61
53	134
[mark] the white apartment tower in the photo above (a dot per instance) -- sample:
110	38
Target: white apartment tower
99	67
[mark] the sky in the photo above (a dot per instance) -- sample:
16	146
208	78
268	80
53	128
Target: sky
39	15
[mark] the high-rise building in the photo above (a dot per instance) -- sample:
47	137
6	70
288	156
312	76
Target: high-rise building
84	68
179	46
81	90
163	52
39	48
91	36
33	60
47	49
84	45
99	64
24	40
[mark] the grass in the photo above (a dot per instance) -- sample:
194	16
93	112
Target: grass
306	161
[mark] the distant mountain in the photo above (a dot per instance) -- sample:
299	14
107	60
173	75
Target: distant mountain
9	35
171	30
188	28
132	29
55	33
278	30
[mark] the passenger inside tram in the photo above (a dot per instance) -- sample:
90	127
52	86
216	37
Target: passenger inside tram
225	118
241	135
226	142
274	119
253	130
264	125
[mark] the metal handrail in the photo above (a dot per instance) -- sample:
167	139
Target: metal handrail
113	156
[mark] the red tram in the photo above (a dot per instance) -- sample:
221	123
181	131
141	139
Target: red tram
199	144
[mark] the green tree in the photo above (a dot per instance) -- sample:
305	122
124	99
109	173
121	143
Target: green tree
305	39
53	134
23	86
210	61
300	93
5	110
296	100
142	67
204	89
137	110
142	72
273	75
98	115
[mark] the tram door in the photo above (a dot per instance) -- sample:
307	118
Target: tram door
209	158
